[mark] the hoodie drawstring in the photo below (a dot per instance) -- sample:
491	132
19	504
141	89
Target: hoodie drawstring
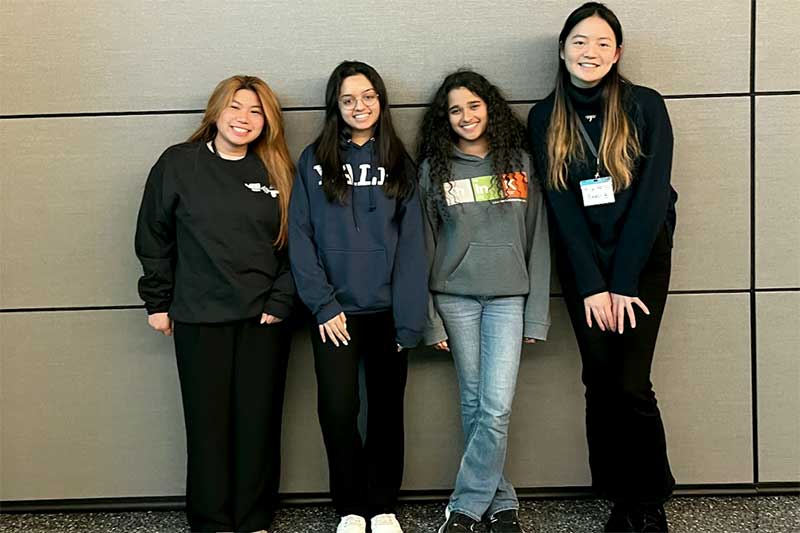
353	207
372	201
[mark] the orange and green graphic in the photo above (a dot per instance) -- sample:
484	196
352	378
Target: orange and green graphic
483	189
515	185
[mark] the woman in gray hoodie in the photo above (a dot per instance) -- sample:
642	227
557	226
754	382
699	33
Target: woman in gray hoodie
489	255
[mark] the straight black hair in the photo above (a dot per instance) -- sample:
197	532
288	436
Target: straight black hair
332	141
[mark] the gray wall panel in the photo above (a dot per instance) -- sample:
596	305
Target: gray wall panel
776	38
778	386
777	191
90	407
711	174
547	443
67	220
702	378
71	191
144	55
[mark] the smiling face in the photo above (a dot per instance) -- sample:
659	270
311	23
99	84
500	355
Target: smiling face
359	105
469	118
240	123
589	51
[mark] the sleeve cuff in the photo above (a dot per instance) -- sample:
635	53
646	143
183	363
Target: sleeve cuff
624	290
328	311
592	292
535	330
408	338
434	334
278	309
151	310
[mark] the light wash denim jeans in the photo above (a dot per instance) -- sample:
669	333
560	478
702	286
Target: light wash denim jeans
485	338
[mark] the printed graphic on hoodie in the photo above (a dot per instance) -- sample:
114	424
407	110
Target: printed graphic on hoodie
364	177
481	189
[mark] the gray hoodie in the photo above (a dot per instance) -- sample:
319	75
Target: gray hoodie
493	243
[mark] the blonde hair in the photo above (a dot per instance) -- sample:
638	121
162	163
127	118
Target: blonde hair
270	145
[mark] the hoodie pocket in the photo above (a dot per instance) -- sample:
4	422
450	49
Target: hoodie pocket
490	270
360	278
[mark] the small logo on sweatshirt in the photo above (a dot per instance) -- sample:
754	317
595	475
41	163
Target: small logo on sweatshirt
590	117
257	187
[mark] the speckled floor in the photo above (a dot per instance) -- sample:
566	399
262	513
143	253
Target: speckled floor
763	514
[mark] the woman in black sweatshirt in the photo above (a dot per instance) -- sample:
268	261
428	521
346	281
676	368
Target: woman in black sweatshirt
211	237
603	148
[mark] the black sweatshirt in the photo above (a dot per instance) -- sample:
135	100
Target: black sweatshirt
608	245
205	239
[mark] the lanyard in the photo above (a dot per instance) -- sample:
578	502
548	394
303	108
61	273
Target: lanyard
592	147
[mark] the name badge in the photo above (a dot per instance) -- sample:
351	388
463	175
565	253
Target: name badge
597	191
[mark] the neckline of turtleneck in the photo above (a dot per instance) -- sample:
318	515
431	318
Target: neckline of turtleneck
588	98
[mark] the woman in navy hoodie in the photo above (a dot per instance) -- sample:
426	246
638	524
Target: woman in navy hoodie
358	258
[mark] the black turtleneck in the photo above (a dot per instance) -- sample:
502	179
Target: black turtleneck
588	104
608	245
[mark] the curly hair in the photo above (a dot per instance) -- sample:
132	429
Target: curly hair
505	133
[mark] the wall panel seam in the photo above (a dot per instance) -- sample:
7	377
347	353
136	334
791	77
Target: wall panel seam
698	292
753	321
291	109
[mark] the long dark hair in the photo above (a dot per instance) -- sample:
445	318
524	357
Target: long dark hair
332	140
619	145
505	134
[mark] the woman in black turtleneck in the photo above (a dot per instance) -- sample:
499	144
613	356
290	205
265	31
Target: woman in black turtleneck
603	149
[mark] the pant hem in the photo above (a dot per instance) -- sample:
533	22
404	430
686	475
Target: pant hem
465	512
491	513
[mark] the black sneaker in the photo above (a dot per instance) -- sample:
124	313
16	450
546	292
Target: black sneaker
458	523
620	520
650	519
505	522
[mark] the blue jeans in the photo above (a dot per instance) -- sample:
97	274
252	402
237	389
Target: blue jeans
485	338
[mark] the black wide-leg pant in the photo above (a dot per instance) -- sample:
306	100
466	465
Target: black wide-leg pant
232	382
627	444
364	478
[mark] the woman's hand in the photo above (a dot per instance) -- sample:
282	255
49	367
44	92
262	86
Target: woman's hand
269	319
622	304
161	322
442	345
528	340
336	330
599	306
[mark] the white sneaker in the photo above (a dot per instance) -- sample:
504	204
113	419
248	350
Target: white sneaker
352	523
385	523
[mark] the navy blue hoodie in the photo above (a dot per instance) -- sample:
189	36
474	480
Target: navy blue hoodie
364	256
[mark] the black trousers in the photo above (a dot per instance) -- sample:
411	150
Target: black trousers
232	382
627	445
364	478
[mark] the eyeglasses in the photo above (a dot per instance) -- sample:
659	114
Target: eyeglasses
349	102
